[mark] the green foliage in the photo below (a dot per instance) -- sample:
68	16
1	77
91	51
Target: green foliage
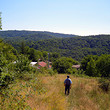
22	65
96	65
66	45
51	72
64	65
71	71
104	84
3	62
87	59
22	48
15	96
45	55
54	56
88	64
6	57
32	54
5	79
91	68
103	65
76	47
7	51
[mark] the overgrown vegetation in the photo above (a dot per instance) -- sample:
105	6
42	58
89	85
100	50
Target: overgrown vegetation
87	95
96	65
25	87
104	84
43	91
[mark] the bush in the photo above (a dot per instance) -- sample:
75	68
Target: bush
5	79
3	62
71	71
104	84
22	65
51	72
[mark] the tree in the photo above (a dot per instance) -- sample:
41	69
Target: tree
0	22
33	54
87	59
63	64
8	51
91	68
3	62
45	55
103	65
22	48
53	56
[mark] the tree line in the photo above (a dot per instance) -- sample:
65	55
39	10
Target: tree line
68	46
14	63
96	66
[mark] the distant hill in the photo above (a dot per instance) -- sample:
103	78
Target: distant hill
76	47
14	37
67	45
16	33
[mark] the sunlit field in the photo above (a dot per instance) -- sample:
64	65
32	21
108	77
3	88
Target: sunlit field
45	92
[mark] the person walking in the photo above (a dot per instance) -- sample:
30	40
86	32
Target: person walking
67	84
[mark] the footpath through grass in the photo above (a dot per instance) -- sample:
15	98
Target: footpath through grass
45	92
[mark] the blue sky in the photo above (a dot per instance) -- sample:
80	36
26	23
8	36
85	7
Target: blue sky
80	17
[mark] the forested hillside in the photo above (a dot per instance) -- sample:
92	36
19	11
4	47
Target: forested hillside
76	47
24	34
66	45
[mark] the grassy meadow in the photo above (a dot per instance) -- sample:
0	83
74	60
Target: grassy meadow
46	92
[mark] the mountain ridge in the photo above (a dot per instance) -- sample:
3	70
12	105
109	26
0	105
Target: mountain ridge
76	47
25	32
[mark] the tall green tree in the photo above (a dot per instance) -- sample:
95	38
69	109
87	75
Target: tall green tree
8	51
45	55
33	54
3	62
87	59
53	56
22	48
91	68
103	65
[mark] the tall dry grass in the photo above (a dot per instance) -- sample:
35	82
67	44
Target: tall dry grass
46	92
53	99
86	95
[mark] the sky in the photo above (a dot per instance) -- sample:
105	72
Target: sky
79	17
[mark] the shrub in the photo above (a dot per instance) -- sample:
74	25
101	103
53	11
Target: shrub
5	79
51	72
71	71
22	65
104	84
